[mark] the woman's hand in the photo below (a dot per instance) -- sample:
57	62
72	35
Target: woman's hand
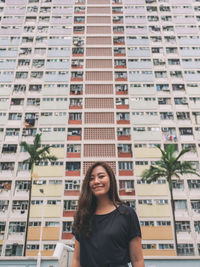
76	256
135	250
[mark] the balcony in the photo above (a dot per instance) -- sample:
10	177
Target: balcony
145	119
147	135
123	118
77	76
53	136
69	208
60	30
56	52
75	118
74	134
72	168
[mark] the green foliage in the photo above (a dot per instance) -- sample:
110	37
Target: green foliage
36	152
169	166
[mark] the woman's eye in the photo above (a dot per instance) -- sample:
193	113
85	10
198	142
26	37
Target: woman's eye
91	178
101	177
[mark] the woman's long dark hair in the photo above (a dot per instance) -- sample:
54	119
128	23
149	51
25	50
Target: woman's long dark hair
87	203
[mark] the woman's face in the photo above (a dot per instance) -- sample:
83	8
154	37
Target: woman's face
99	181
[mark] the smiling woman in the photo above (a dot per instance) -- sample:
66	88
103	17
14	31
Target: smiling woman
107	232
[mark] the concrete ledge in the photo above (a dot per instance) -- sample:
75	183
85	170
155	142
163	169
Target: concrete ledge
54	262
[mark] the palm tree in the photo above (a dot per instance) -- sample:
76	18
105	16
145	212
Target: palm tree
37	154
169	167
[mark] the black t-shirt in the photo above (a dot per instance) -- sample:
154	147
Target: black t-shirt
109	241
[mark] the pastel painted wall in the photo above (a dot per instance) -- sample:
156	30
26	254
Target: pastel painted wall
152	189
153	210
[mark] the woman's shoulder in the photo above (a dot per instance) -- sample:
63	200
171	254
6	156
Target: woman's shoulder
125	209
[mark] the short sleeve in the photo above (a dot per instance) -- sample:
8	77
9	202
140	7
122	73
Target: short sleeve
134	225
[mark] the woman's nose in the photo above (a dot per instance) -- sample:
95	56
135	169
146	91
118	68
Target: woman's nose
96	180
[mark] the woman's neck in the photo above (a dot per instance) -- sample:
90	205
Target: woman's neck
104	205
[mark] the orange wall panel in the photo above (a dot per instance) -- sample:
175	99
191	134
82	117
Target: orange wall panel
156	252
51	233
157	232
33	233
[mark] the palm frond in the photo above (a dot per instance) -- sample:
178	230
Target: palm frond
37	140
183	151
26	146
44	150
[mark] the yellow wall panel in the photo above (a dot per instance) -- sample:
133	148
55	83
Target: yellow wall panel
50	211
147	152
49	190
154	210
138	169
53	211
49	171
156	252
152	189
157	232
57	152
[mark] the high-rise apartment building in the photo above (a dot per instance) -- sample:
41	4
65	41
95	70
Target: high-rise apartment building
101	80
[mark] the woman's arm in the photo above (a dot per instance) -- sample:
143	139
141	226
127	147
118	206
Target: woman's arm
76	256
135	250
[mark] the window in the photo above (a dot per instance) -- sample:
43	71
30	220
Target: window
67	227
180	205
185	249
161	201
165	246
163	223
183	226
17	227
70	204
148	246
147	223
13	250
22	185
195	204
125	165
32	247
2	227
4	205
177	184
194	184
53	202
52	224
127	185
34	224
19	205
49	246
145	202
73	166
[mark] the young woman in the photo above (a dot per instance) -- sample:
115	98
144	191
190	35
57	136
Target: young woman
107	232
